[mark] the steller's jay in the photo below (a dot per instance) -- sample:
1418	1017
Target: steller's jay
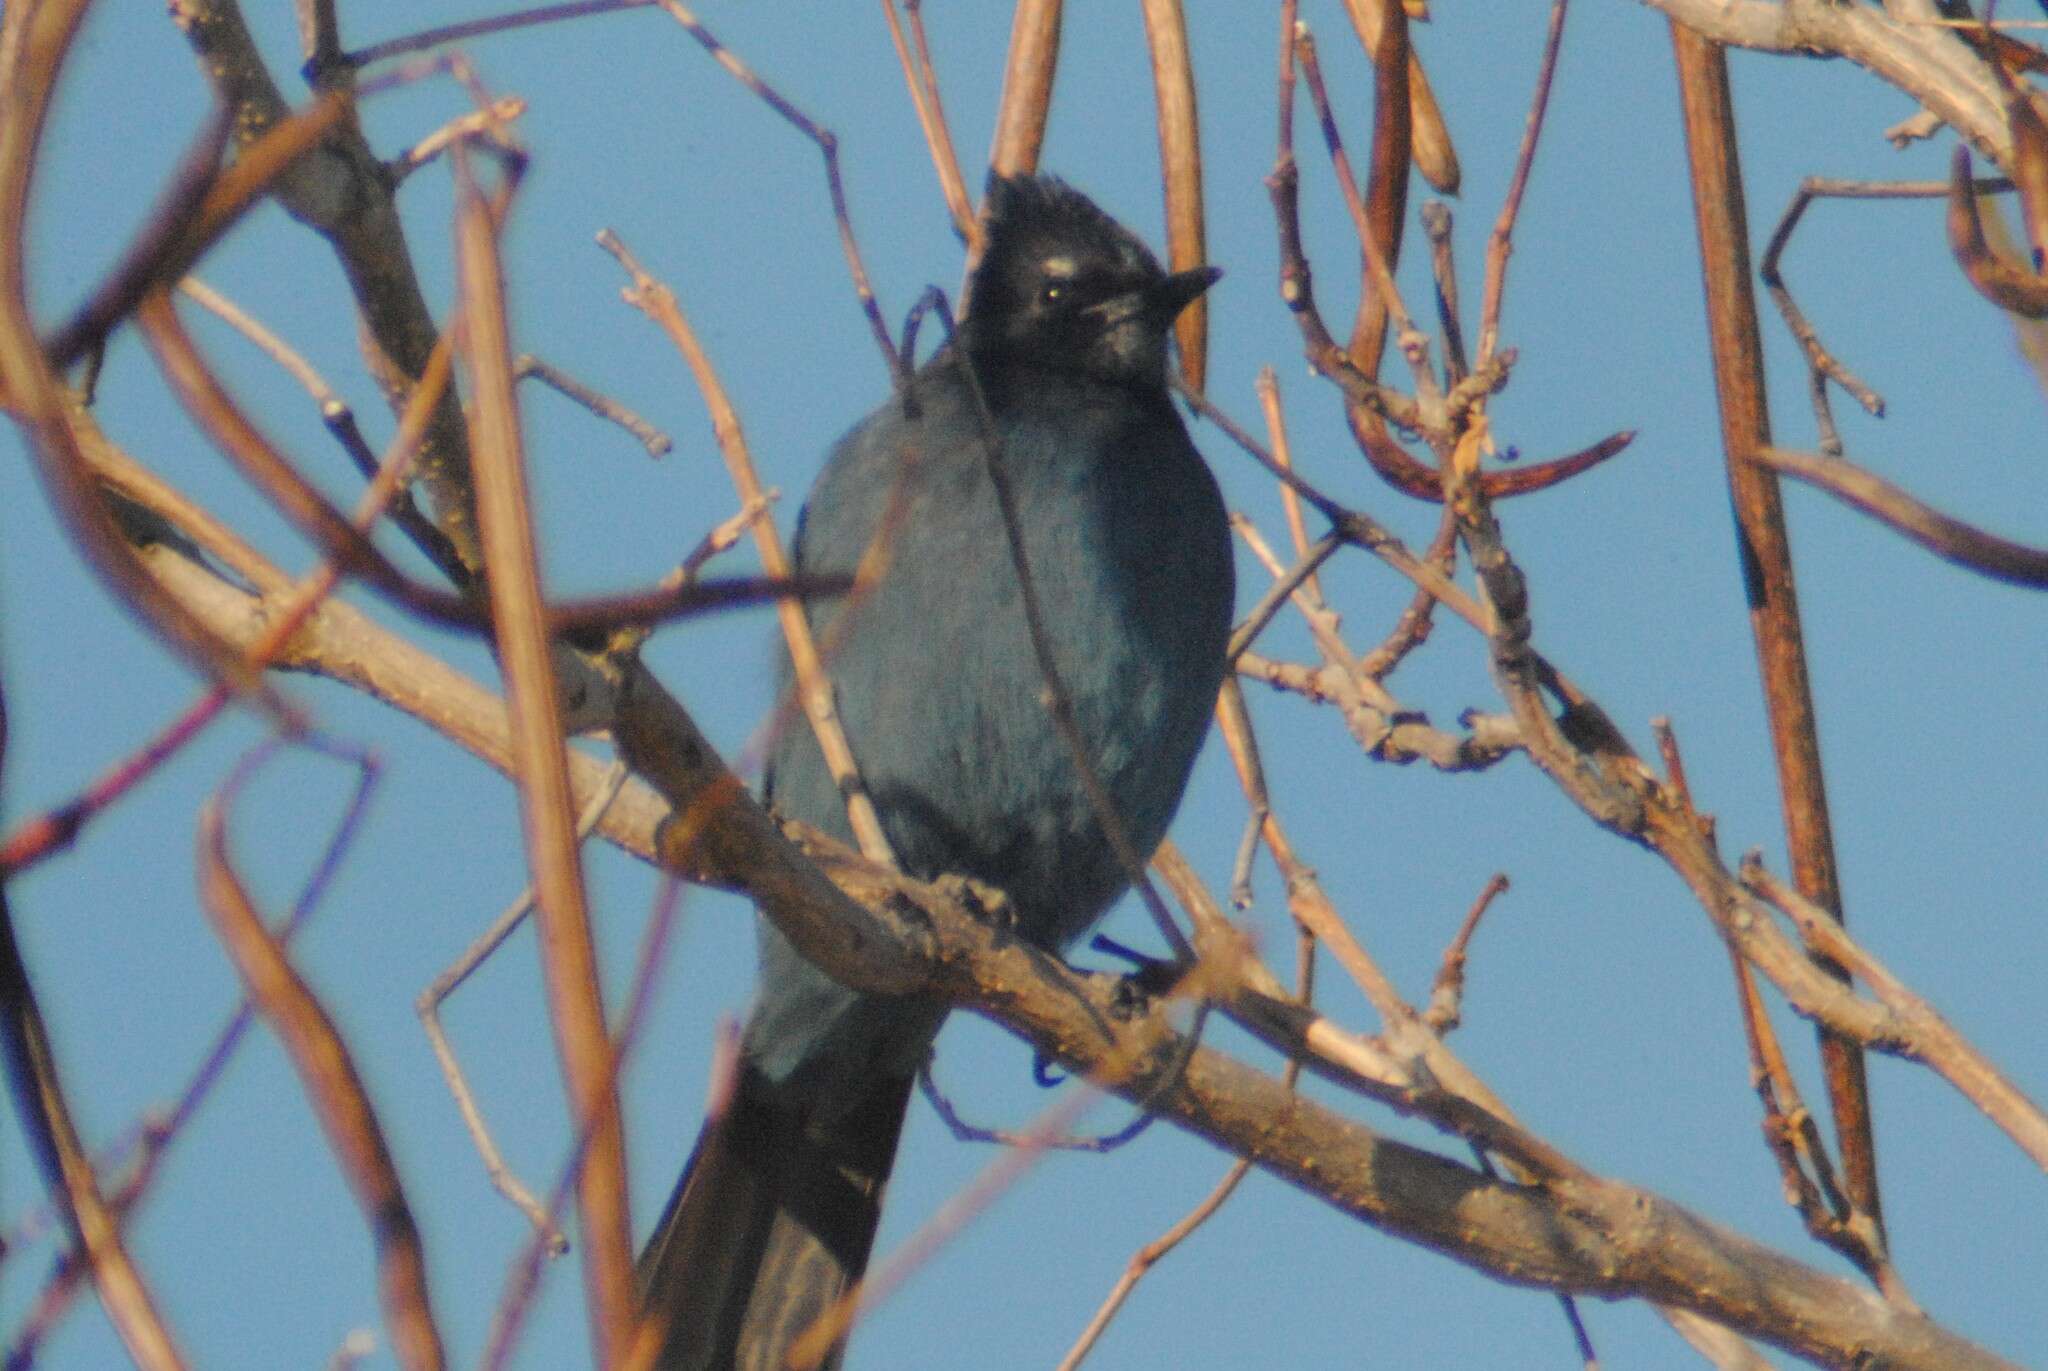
942	700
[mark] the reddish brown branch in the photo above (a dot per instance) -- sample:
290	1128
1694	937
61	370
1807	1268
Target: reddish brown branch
568	952
332	1084
1386	182
1180	161
1027	87
2004	284
1435	156
1767	556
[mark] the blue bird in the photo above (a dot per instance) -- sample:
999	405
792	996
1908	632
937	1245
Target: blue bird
940	692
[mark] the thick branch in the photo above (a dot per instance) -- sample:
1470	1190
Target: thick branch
893	935
1927	62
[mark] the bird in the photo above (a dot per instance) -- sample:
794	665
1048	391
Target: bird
939	689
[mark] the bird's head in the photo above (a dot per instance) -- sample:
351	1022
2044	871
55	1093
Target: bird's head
1065	286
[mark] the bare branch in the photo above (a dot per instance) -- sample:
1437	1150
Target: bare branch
568	954
1767	555
1952	540
332	1084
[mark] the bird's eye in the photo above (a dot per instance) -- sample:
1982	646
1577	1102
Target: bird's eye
1052	293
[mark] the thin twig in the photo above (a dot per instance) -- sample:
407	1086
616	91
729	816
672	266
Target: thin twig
1500	243
491	123
813	687
1447	992
526	365
1059	703
1145	1258
428	1006
828	147
478	28
1379	262
923	81
337	415
1418	620
523	1279
725	536
1268	388
1283	588
1382	214
1234	722
1443	269
1823	366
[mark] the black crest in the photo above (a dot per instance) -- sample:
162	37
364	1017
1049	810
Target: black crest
1031	218
1065	287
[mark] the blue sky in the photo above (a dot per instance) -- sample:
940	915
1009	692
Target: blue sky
1599	1001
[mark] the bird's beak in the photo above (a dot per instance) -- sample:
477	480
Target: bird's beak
1166	300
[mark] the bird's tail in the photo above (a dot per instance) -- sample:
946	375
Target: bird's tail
769	1226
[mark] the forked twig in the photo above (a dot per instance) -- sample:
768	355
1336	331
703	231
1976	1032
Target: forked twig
1447	993
339	418
920	76
1822	365
428	1006
813	687
828	147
